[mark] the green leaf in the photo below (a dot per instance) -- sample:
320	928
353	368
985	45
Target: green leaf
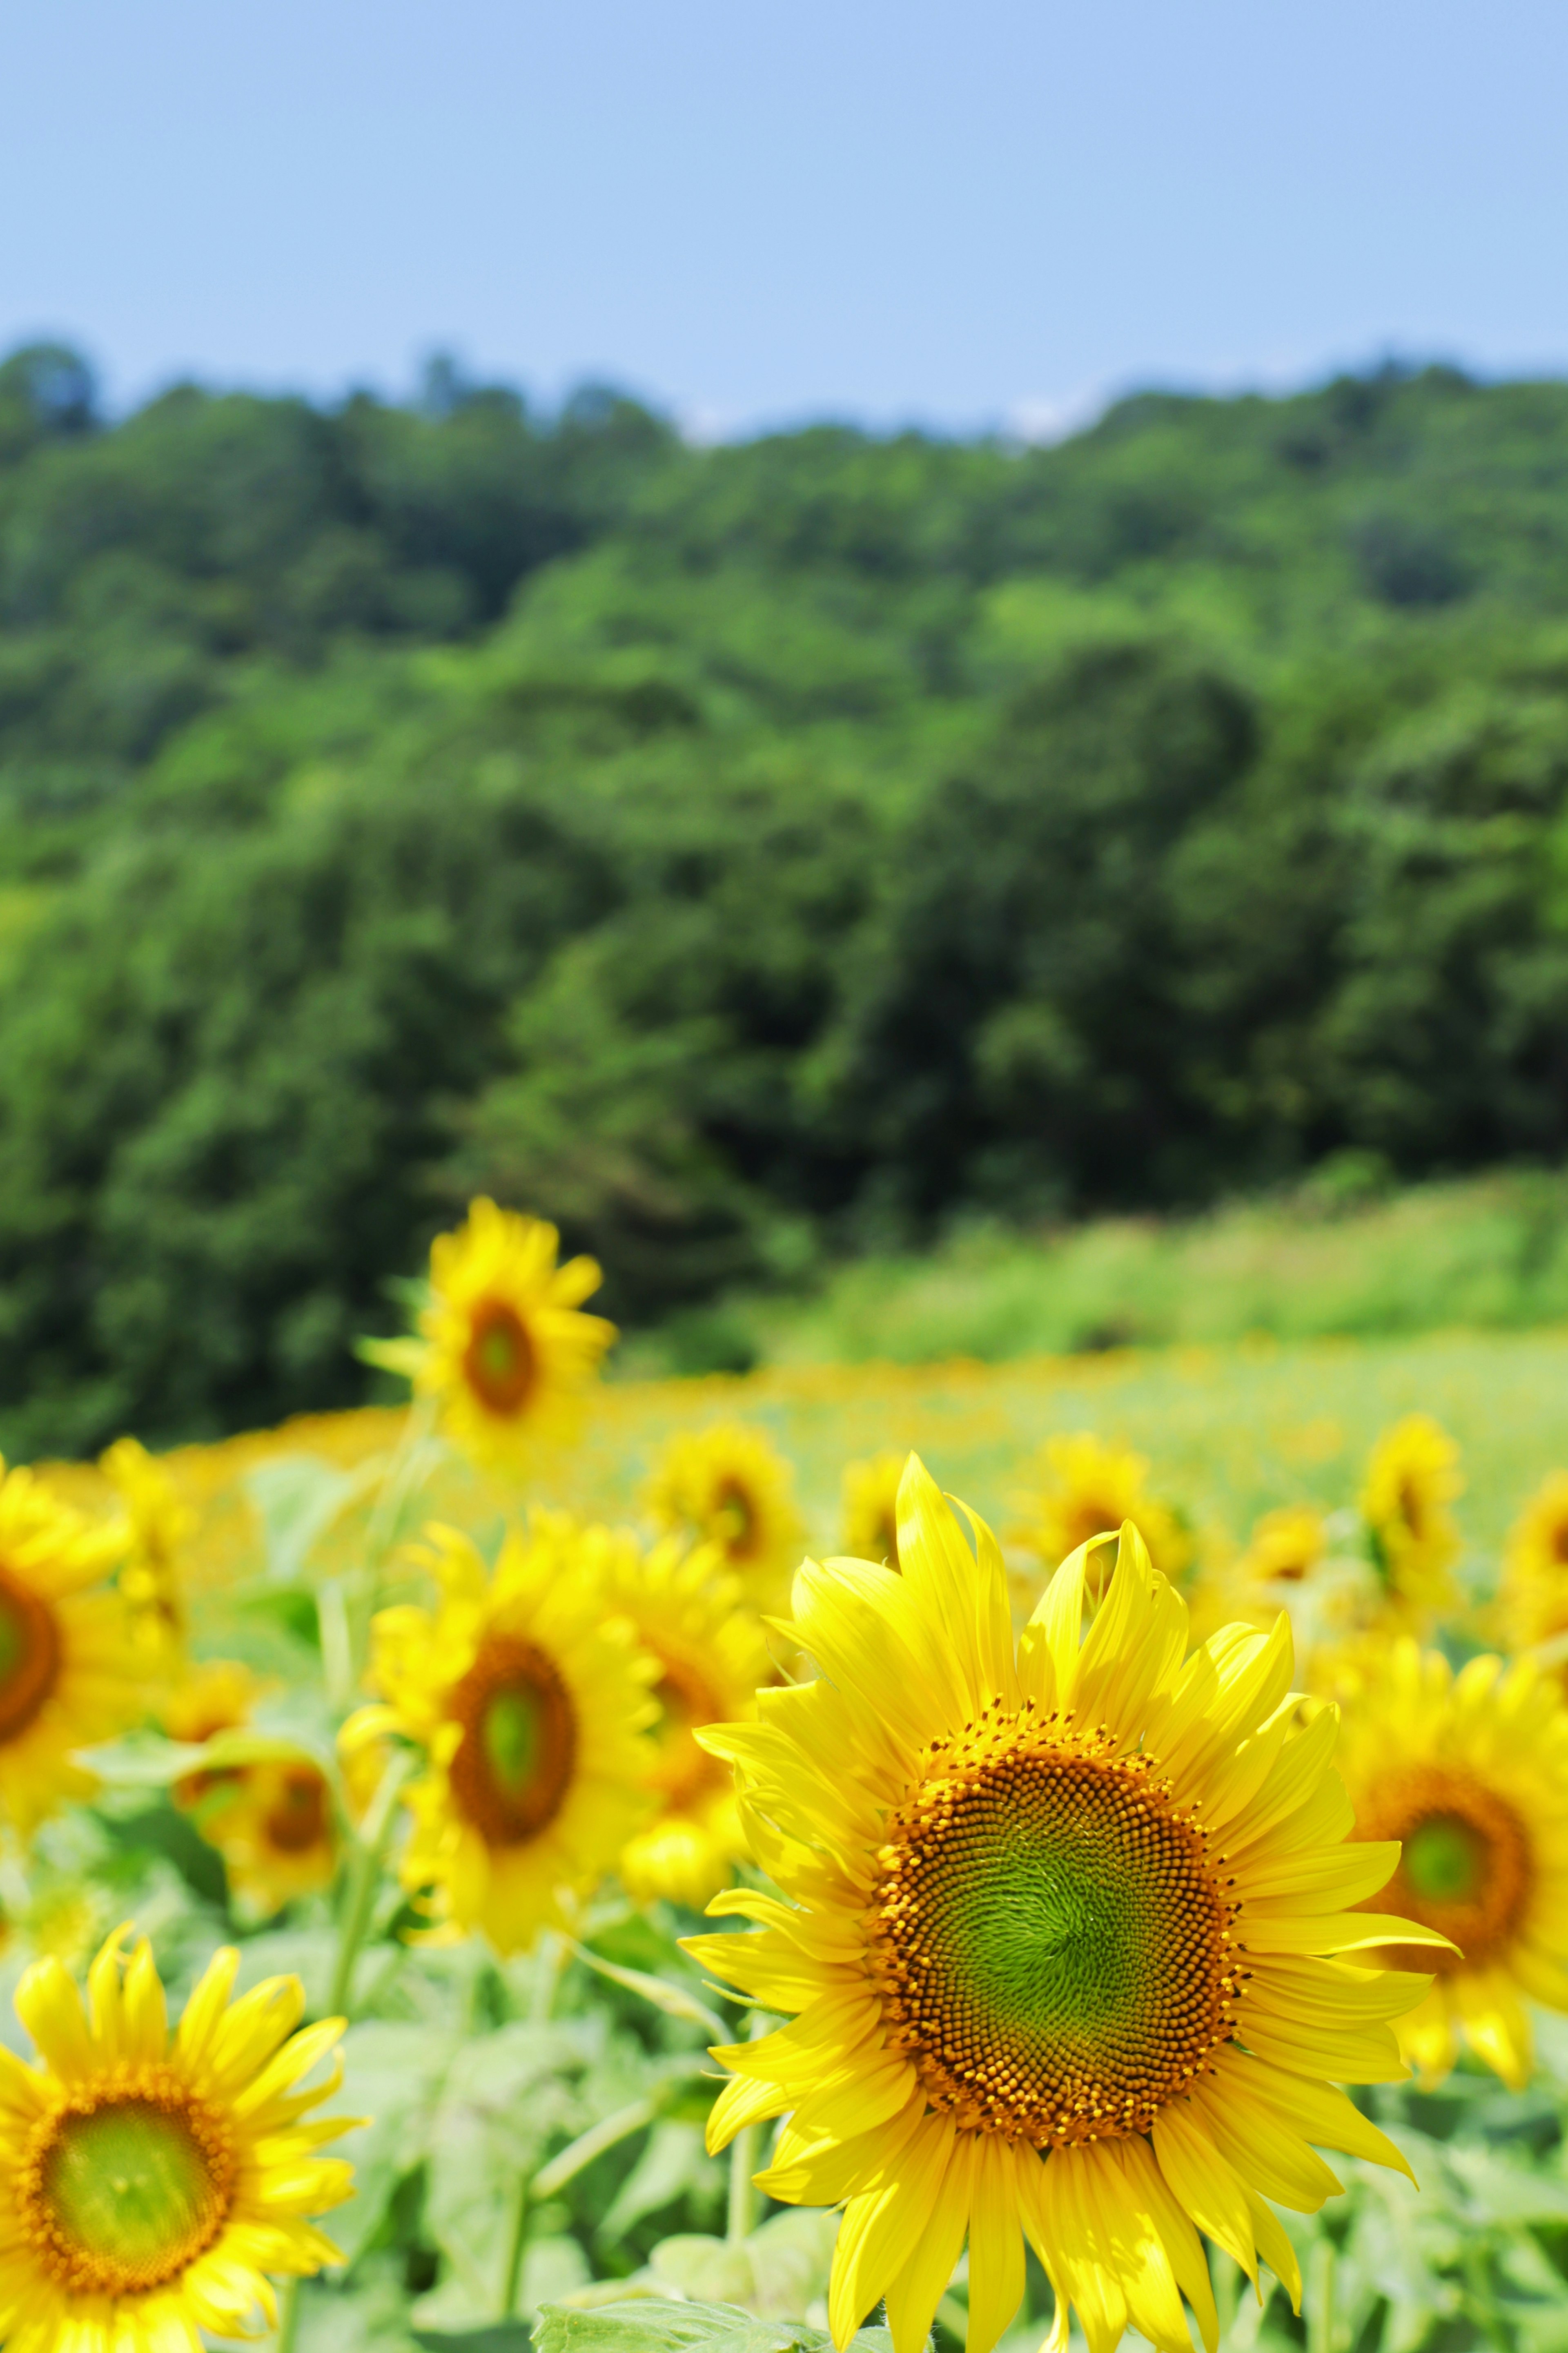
297	1498
651	2326
673	1999
393	2074
145	1760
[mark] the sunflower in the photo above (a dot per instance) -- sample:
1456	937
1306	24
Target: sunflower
160	1525
1533	1601
871	1509
1412	1476
271	1820
502	1345
712	1655
153	2180
1470	1773
70	1674
1059	1934
728	1487
530	1697
1087	1489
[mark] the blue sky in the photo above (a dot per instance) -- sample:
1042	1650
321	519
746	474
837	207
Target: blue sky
993	212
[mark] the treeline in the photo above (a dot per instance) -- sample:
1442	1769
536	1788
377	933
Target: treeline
740	854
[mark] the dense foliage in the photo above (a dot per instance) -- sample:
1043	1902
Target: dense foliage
741	853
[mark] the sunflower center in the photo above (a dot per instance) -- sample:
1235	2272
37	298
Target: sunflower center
29	1654
513	1765
499	1360
682	1772
1466	1868
1557	1544
1054	1949
734	1519
296	1821
126	2185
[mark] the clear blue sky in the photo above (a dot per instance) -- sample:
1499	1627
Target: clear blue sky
881	208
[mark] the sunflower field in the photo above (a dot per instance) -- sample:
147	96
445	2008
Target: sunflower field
616	1866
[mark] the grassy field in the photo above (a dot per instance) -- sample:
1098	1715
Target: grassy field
1339	1258
1230	1432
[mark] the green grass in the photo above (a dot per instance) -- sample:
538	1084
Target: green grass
1333	1259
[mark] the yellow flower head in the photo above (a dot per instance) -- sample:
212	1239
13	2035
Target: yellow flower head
1471	1774
160	1527
1062	1930
1088	1487
728	1487
270	1820
153	2181
1286	1547
530	1697
712	1655
1411	1476
502	1345
871	1509
70	1674
1532	1603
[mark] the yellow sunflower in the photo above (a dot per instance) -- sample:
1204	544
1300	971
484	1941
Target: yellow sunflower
1062	1930
270	1820
1412	1476
530	1697
502	1345
152	2181
1470	1773
871	1509
160	1527
712	1655
1088	1487
729	1487
70	1674
1533	1601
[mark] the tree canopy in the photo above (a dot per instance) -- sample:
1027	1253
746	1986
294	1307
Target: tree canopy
737	854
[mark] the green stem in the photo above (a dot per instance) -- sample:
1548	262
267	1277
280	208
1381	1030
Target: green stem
288	2315
517	2240
742	2209
1226	2276
549	1962
1320	2299
368	1854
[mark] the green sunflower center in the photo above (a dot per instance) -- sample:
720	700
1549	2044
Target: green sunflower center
29	1654
499	1360
1446	1860
1468	1866
126	2189
1054	1952
734	1519
514	1764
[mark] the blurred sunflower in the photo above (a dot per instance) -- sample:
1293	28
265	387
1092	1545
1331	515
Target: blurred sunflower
70	1674
160	1527
1412	1476
1285	1547
871	1509
1330	1595
729	1487
1088	1487
1532	1599
1471	1774
501	1344
530	1697
153	2181
711	1656
1058	1929
272	1819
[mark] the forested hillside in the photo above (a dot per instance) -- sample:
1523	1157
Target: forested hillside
740	854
